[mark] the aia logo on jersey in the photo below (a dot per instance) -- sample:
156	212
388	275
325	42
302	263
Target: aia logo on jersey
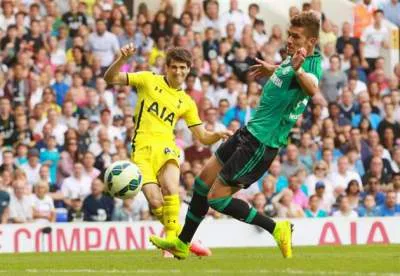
162	113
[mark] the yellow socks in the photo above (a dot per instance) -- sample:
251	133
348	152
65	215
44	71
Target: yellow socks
158	213
171	215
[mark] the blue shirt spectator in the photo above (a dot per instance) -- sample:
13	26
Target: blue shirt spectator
313	211
374	190
369	209
51	156
60	88
366	112
391	9
390	208
241	112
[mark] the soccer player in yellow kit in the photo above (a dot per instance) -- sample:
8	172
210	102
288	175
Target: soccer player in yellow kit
161	102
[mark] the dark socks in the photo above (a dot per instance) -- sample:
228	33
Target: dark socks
241	210
198	208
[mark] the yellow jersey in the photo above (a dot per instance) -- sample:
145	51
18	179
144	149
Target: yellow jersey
158	109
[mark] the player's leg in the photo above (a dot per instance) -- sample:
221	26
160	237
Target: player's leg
168	178
154	197
198	206
142	157
245	167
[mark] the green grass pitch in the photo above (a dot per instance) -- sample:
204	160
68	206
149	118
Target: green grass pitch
344	260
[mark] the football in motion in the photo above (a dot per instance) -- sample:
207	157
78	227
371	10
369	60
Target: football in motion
123	179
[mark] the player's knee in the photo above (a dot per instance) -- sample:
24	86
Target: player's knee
218	203
201	187
155	203
170	189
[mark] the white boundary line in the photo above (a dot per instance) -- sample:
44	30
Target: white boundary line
214	271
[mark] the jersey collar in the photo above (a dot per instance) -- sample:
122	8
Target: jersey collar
166	81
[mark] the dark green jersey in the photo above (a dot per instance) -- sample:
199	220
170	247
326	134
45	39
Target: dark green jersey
282	102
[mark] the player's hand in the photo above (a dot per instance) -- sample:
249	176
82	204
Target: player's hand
225	134
298	58
128	50
262	69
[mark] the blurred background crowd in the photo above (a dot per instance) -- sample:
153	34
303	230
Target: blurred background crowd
61	125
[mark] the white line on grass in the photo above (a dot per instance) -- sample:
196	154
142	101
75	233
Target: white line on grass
177	271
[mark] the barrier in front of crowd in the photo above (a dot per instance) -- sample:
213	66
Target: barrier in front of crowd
214	233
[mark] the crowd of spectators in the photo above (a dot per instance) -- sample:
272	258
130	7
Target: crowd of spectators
61	125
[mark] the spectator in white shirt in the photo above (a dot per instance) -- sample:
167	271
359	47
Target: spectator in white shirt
320	174
343	176
106	123
373	38
104	44
326	199
77	185
260	36
32	168
212	123
58	128
236	16
135	209
67	118
211	18
396	160
345	210
7	16
88	165
43	205
20	204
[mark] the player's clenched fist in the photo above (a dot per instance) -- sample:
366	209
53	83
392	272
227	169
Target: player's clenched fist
298	58
128	50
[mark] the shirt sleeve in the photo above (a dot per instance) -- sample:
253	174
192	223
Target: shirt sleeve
191	116
139	79
313	67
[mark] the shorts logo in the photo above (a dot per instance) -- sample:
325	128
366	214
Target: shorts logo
171	151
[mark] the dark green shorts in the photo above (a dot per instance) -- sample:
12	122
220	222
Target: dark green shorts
244	159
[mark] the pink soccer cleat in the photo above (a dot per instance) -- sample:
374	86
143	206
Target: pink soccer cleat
200	250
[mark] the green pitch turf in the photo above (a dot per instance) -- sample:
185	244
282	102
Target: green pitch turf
346	260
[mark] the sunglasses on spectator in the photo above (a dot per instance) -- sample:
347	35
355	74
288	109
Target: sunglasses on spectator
320	168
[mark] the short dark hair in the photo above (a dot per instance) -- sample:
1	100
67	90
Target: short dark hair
254	5
309	21
179	54
379	11
335	56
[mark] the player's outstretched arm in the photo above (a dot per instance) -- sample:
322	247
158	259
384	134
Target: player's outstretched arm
262	69
307	81
209	137
113	74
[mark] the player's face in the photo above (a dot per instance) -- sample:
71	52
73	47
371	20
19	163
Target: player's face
297	39
177	72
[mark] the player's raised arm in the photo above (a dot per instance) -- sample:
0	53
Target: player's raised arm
113	74
209	137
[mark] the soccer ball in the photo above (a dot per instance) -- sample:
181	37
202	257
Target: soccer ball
123	179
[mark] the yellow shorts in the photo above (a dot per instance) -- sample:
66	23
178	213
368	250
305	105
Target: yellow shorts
151	158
